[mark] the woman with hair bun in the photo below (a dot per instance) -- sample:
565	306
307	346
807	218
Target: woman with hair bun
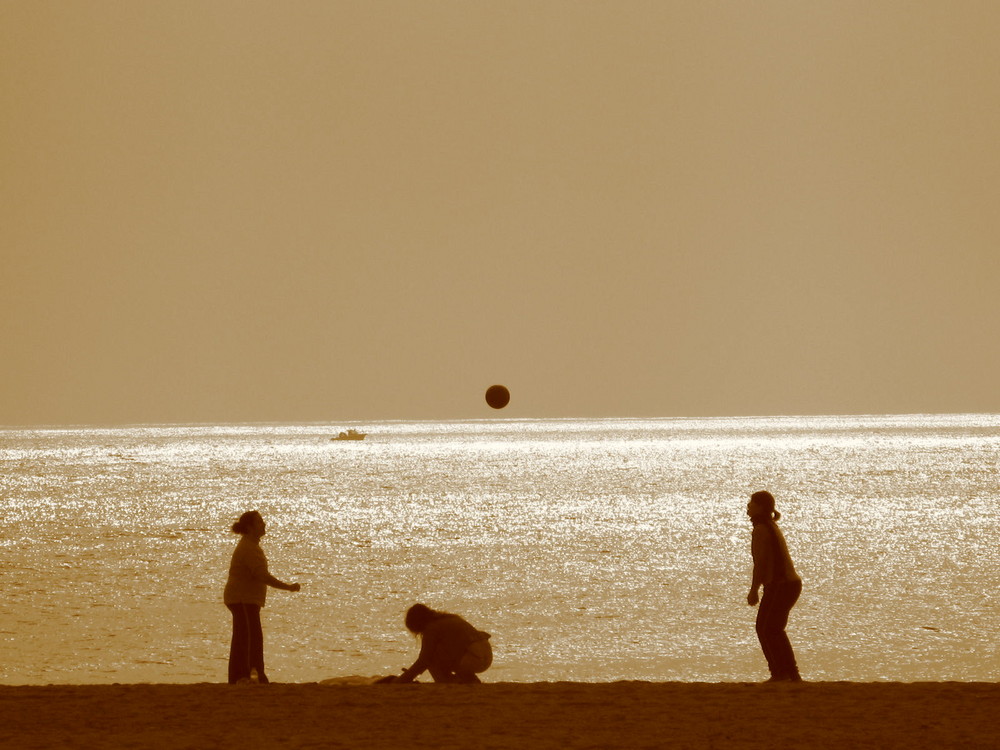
772	569
450	648
246	590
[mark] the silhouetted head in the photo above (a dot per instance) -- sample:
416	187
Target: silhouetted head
419	615
761	506
251	523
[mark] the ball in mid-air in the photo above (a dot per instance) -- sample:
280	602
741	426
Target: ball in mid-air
497	396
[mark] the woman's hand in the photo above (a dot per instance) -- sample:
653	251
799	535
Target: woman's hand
753	597
294	587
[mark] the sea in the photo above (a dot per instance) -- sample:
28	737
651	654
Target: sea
591	549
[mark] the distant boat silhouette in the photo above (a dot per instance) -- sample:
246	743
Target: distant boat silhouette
351	434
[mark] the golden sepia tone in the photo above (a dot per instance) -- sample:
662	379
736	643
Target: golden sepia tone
261	263
242	211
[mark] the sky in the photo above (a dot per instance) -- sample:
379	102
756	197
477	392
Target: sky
332	211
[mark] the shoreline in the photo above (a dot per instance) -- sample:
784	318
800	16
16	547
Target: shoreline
347	713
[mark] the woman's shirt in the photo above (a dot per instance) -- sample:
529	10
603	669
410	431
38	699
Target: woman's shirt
248	574
771	560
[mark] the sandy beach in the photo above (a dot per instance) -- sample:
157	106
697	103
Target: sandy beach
502	715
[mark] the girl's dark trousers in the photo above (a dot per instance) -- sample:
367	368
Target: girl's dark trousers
772	618
246	651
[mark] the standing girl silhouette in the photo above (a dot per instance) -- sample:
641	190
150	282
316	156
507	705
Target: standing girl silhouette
773	569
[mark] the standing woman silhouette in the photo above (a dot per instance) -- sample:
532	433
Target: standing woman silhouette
246	590
773	569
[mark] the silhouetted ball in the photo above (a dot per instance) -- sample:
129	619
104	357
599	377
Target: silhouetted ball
497	396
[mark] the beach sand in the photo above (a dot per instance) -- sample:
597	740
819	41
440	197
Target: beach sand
502	715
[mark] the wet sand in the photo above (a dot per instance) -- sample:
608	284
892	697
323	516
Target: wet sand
502	715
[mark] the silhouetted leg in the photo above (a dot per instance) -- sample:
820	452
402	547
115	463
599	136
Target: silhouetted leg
441	674
255	648
763	632
772	619
782	647
239	653
477	658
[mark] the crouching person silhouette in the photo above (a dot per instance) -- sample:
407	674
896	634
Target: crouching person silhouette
451	649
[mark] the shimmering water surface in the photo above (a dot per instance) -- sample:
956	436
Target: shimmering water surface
591	549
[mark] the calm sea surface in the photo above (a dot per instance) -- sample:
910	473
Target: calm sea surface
592	549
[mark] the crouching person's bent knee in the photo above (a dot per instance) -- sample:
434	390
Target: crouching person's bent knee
476	660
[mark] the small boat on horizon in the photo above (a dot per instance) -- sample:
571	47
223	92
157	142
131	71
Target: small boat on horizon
351	434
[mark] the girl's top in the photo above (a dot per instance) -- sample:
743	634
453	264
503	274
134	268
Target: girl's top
443	643
770	554
248	574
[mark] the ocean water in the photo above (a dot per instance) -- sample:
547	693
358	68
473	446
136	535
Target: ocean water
593	550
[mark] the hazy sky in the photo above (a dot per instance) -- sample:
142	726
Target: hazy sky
312	211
